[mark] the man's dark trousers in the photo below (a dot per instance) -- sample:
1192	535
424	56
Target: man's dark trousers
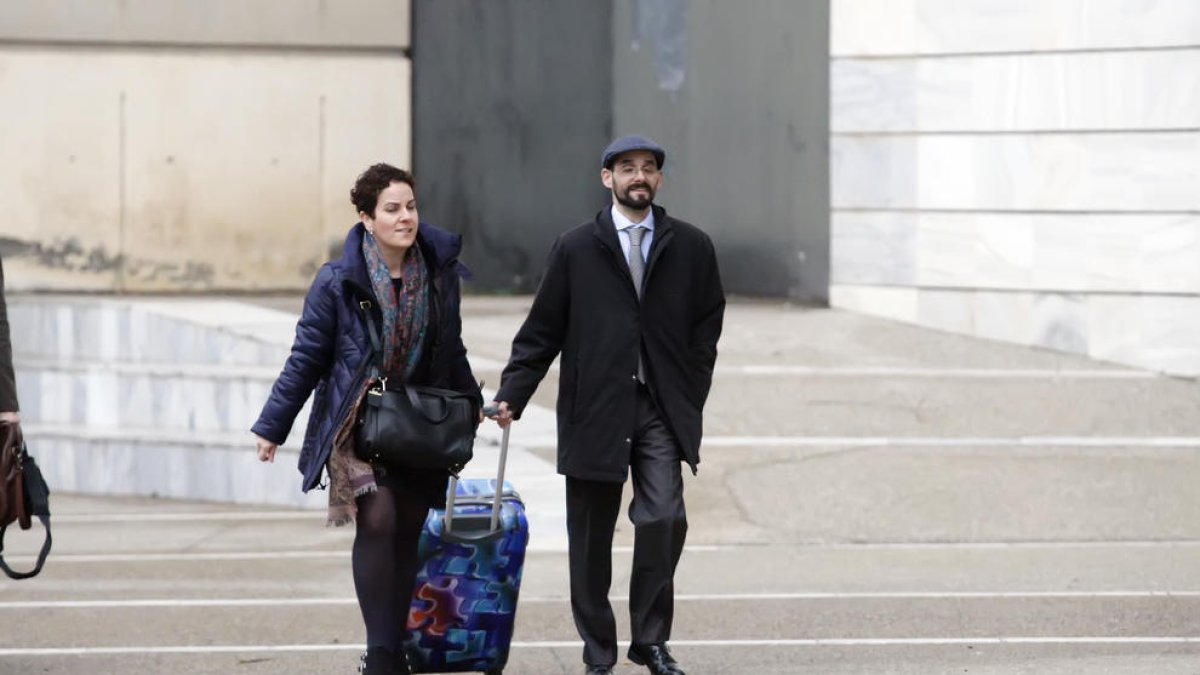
660	526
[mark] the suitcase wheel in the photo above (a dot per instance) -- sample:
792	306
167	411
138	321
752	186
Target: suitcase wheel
495	671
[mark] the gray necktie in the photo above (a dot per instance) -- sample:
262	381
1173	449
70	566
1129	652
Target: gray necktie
637	269
637	264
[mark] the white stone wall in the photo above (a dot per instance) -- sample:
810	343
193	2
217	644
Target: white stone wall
167	145
1023	170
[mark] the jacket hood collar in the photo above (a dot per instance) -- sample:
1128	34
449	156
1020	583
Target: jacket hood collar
439	246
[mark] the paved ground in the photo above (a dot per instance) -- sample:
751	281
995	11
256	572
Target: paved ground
874	498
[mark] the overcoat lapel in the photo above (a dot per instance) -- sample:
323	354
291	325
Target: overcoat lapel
605	232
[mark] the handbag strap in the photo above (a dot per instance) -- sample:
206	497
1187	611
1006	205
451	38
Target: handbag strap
373	333
41	559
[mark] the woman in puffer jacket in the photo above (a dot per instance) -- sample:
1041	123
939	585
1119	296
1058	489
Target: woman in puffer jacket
406	273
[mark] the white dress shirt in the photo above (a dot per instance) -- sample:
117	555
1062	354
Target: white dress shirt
623	224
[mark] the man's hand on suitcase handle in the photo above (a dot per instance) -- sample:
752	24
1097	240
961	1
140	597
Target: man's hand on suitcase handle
499	411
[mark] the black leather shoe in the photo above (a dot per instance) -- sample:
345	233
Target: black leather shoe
598	670
656	658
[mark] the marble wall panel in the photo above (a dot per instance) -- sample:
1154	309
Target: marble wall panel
1042	167
1003	316
871	95
1040	92
1115	328
1148	253
1060	322
873	173
1170	334
1169	255
1155	332
966	250
871	27
1085	172
885	27
873	248
951	311
890	302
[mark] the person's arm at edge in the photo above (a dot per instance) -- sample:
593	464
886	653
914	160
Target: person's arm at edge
9	409
539	339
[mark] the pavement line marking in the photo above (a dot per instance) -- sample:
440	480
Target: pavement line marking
182	516
938	373
1176	442
721	548
186	557
963	441
249	555
782	370
557	644
683	597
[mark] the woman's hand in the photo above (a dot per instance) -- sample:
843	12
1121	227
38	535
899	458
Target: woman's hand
266	449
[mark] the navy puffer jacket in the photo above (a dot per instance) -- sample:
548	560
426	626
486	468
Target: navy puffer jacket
332	350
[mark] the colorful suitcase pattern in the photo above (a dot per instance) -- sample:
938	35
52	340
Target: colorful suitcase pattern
465	596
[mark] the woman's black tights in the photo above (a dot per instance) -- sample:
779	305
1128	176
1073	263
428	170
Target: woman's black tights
384	559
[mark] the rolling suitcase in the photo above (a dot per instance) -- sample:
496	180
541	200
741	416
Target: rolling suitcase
470	560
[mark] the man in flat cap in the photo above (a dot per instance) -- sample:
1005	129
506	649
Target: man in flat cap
632	300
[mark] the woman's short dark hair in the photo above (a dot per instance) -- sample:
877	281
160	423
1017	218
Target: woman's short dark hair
365	193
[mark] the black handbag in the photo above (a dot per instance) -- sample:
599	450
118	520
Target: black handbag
23	495
414	426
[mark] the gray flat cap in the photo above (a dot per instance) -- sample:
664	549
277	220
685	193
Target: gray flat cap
629	144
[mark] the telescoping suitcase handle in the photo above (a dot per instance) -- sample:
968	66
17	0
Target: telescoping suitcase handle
496	501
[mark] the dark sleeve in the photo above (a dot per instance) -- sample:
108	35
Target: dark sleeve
710	316
310	360
461	377
8	382
540	338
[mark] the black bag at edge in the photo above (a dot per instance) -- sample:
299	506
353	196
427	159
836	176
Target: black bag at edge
414	426
23	494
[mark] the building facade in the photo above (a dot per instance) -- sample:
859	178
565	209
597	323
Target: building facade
168	145
1022	170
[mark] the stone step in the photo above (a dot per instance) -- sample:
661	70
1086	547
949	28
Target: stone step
148	330
216	466
185	397
142	461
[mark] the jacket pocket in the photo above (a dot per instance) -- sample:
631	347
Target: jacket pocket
319	407
573	392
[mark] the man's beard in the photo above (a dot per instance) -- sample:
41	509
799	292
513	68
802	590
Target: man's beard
640	203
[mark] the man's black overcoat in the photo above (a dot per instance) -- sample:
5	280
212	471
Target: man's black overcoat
587	308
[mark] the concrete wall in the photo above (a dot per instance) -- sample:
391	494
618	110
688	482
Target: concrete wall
1023	170
155	146
737	93
512	106
516	100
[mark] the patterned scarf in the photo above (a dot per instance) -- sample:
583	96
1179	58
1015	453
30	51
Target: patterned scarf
404	317
405	321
